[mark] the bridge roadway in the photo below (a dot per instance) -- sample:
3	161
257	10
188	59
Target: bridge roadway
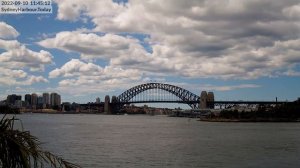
215	102
250	102
185	102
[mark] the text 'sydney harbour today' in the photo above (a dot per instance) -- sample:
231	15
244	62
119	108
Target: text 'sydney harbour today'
160	141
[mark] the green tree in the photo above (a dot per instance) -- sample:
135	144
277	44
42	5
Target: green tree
19	149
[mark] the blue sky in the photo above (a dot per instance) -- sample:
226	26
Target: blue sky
240	50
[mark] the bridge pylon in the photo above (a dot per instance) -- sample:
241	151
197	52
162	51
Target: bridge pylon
210	100
203	100
207	100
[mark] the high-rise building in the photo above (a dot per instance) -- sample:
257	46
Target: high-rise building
11	99
40	101
19	97
8	99
34	98
52	99
46	100
58	100
98	100
27	99
106	104
55	99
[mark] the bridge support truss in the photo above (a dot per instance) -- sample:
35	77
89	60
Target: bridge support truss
184	95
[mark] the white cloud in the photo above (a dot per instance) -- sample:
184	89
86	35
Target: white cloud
292	12
13	73
90	71
93	46
72	9
90	77
86	86
76	67
18	77
237	39
229	87
16	58
7	31
292	72
34	79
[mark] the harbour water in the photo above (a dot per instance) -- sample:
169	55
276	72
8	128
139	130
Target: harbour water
130	141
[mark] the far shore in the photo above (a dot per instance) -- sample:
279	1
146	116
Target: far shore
59	112
249	120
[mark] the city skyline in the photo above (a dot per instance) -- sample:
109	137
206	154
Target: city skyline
44	100
240	50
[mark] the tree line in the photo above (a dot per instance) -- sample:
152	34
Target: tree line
285	112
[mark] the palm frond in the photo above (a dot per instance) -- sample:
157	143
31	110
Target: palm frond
19	148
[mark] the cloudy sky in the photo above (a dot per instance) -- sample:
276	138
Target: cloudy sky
240	49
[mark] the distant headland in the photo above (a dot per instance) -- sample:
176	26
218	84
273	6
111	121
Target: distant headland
287	112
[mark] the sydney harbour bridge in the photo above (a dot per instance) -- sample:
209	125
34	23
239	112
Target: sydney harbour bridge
167	93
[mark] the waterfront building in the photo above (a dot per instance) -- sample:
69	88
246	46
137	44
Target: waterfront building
98	100
27	100
18	104
40	102
46	100
106	104
58	100
66	106
19	97
52	98
11	99
55	99
8	99
34	98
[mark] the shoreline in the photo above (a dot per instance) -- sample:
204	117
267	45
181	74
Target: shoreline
200	119
249	120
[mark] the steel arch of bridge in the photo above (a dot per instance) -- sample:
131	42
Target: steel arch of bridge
186	96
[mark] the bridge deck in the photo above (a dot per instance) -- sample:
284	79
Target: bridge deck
215	102
186	102
250	102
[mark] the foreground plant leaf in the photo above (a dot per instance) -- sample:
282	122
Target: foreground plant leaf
20	149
